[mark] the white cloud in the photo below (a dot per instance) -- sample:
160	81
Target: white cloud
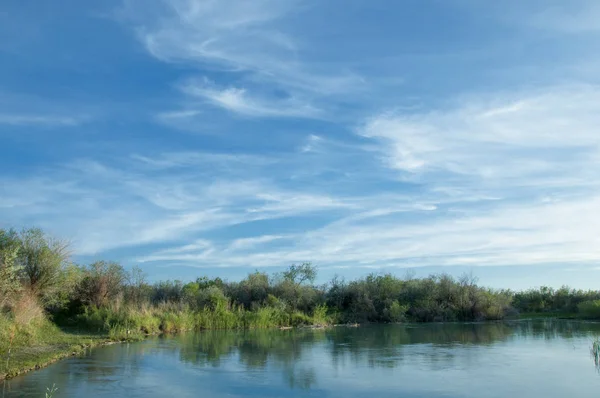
247	243
516	235
249	41
120	206
39	120
237	100
508	181
547	138
224	161
502	182
233	35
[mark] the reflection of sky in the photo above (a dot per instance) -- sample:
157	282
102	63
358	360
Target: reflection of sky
516	361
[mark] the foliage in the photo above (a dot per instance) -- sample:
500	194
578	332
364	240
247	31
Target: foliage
547	299
42	261
298	274
589	309
9	268
102	283
386	298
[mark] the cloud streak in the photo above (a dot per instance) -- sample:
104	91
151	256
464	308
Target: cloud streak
39	120
247	41
238	101
547	138
500	182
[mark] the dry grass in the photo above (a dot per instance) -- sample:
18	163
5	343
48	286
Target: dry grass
27	310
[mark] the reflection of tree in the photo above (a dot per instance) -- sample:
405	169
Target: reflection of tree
388	346
549	329
384	346
206	348
116	359
301	378
254	349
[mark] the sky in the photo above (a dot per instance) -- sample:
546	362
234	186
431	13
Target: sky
219	137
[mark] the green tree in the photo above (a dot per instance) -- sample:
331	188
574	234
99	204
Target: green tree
42	261
9	268
298	274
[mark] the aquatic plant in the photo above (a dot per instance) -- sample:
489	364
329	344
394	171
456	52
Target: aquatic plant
50	391
595	353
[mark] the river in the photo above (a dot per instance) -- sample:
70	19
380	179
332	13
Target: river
529	359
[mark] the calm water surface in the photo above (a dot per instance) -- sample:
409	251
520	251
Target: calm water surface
520	359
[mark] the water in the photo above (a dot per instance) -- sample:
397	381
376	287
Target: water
519	359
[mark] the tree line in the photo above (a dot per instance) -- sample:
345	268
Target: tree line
35	270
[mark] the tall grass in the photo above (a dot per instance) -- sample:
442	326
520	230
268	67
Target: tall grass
595	352
126	322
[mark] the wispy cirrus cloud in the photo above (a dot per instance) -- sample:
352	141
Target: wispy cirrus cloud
474	199
547	137
529	234
238	101
503	181
234	35
152	204
39	120
248	41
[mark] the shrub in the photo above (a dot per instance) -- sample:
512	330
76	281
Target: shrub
102	283
395	312
320	315
589	309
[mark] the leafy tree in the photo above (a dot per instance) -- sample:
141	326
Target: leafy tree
298	274
42	261
9	268
102	282
293	289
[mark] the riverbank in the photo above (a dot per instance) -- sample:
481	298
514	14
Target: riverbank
34	346
26	346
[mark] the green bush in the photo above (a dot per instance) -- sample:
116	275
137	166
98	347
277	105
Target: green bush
320	315
589	309
299	319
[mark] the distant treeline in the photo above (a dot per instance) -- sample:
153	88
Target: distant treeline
37	280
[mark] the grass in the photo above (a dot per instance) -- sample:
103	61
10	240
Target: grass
39	343
127	322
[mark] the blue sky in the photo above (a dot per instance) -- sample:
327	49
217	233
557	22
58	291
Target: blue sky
198	137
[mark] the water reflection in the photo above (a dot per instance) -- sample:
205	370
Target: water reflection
341	361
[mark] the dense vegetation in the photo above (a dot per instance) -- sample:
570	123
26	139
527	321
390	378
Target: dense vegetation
40	288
